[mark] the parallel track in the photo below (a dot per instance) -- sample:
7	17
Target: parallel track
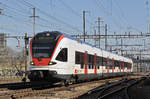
25	89
102	92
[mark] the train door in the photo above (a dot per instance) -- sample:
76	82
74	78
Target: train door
95	64
107	65
85	62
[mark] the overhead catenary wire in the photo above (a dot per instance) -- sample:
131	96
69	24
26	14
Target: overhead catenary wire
15	12
18	16
73	11
123	17
16	19
100	5
49	15
12	10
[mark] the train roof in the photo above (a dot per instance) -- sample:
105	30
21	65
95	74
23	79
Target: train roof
82	42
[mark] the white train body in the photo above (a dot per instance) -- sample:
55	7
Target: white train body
72	59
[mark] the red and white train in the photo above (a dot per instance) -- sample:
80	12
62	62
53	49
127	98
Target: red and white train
55	57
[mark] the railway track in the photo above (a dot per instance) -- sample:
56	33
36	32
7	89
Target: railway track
23	89
106	91
27	89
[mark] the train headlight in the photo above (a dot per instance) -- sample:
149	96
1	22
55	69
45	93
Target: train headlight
51	63
31	63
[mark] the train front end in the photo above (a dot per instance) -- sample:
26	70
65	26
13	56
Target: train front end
42	49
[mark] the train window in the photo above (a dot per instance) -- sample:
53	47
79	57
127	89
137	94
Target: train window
99	60
113	66
90	61
42	50
121	64
107	63
104	63
82	66
89	58
92	66
116	63
89	66
110	64
82	60
77	58
62	55
125	64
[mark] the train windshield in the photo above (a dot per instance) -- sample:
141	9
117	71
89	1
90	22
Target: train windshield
43	44
42	50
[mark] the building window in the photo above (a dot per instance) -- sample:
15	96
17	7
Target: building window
62	56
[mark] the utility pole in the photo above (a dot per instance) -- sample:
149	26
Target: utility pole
140	61
116	41
84	24
121	46
105	36
144	44
99	30
149	28
26	39
95	36
34	17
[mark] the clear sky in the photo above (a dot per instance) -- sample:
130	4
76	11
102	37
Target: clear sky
66	16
